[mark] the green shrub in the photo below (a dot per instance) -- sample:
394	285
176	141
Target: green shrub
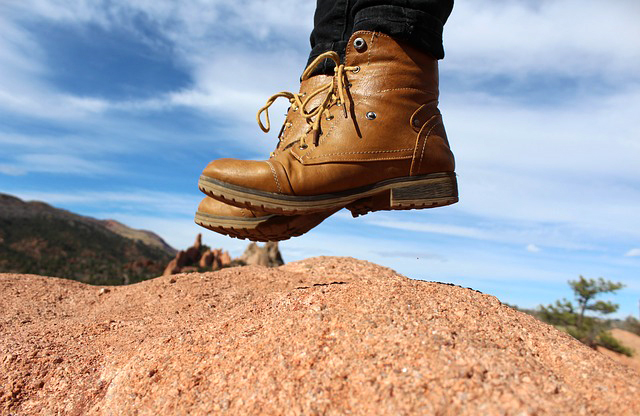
631	324
605	339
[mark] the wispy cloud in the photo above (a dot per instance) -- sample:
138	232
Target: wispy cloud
634	252
532	248
497	231
212	40
564	37
161	204
58	163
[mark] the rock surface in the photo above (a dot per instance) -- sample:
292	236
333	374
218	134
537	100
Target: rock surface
320	336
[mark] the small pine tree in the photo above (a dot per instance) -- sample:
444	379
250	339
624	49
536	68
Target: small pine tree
574	319
631	324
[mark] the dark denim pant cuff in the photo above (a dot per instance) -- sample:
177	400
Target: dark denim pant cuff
421	30
418	28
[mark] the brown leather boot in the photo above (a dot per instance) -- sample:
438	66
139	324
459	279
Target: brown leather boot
252	224
375	140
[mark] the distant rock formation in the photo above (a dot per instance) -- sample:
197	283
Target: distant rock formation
267	255
196	258
201	258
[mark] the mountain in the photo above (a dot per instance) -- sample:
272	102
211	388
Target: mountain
322	336
38	238
147	237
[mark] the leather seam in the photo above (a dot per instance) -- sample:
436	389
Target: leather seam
379	158
413	159
275	176
424	144
398	89
369	49
360	153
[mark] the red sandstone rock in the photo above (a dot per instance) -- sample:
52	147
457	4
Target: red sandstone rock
266	255
225	259
216	264
206	260
192	255
320	336
181	259
172	268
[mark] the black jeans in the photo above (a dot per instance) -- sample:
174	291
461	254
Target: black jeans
418	22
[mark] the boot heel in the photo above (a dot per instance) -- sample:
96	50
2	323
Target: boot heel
426	193
435	190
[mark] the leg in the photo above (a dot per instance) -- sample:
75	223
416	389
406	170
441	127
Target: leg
332	27
418	22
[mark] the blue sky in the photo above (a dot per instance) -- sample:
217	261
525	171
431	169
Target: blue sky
112	110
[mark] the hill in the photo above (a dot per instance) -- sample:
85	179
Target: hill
321	336
38	238
630	340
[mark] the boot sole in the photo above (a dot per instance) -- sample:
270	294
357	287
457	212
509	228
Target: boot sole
262	229
414	192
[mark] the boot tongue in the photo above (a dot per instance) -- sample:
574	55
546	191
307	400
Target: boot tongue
298	122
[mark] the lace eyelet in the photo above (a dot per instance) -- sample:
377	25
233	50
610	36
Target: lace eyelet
303	146
329	118
371	115
359	44
356	69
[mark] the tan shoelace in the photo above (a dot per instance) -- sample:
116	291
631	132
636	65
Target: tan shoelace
335	95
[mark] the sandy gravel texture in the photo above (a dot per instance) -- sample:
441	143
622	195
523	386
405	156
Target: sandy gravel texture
325	335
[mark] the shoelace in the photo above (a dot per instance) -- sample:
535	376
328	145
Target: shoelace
335	95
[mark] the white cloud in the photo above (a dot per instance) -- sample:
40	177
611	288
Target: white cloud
162	204
634	252
453	230
215	41
498	231
11	170
58	163
571	37
532	248
573	169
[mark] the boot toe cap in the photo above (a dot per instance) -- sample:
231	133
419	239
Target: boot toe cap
259	175
217	208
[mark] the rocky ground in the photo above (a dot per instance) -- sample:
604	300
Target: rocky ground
320	336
